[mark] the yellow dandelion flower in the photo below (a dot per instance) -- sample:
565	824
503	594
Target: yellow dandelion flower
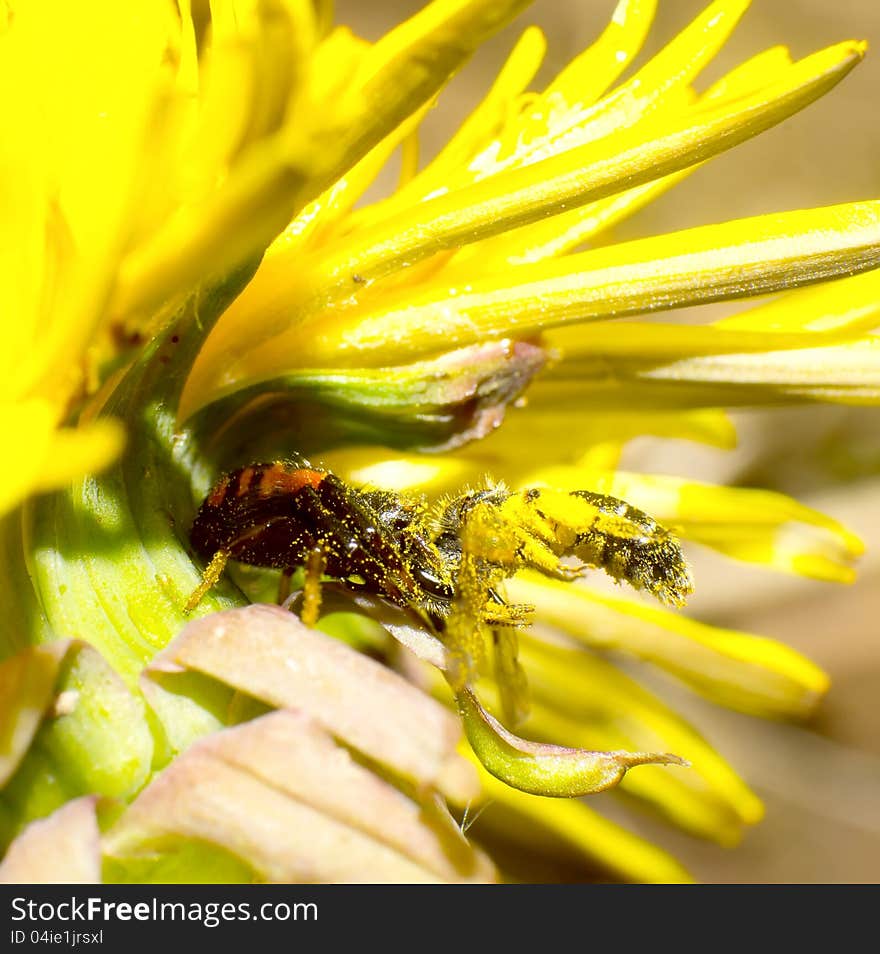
199	190
108	155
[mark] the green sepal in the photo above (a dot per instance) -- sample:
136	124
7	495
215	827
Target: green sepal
100	744
432	405
542	769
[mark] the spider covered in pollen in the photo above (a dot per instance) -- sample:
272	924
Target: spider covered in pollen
446	561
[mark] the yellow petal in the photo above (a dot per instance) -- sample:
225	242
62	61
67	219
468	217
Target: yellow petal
38	457
750	75
580	699
849	373
547	431
519	196
560	110
568	229
745	257
560	122
594	837
565	231
746	672
599	168
711	365
638	347
402	69
78	451
586	77
593	71
324	212
758	526
559	431
258	57
481	125
67	207
412	472
847	304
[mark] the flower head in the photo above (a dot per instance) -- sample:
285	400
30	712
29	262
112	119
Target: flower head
467	313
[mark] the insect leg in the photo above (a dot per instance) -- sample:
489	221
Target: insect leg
214	569
315	563
209	578
510	677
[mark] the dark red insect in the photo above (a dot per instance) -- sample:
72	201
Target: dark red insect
287	514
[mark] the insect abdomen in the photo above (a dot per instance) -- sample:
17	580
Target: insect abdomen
245	503
647	556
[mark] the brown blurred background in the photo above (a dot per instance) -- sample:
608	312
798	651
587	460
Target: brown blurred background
820	783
